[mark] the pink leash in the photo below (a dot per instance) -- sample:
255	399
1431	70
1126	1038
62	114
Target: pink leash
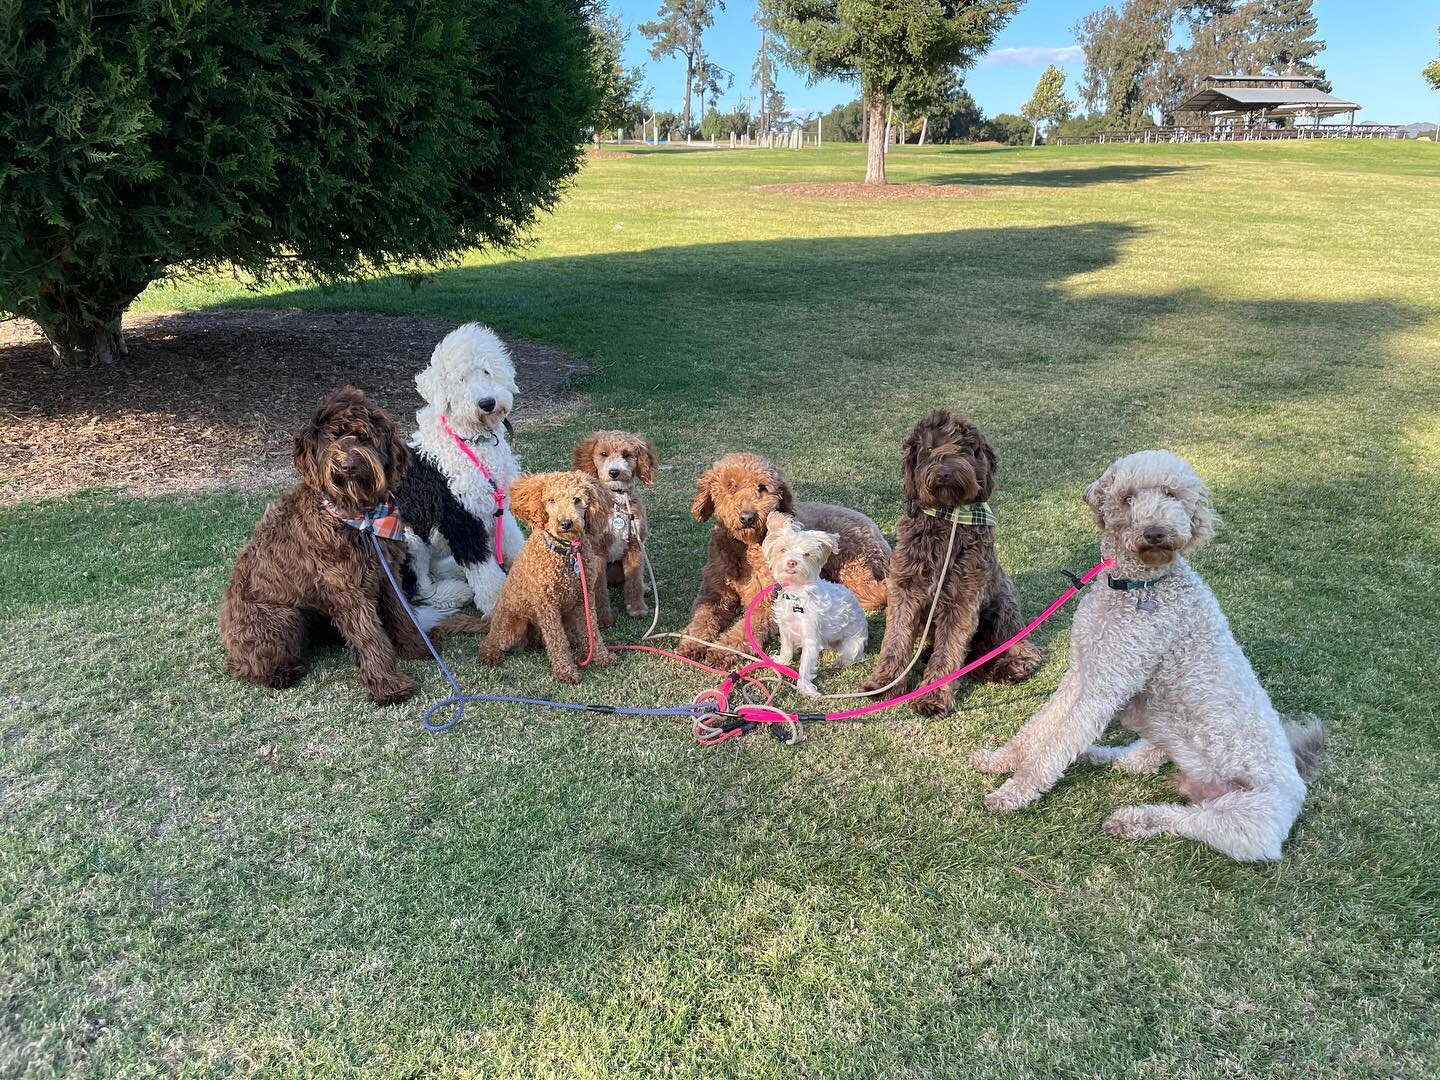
496	491
771	715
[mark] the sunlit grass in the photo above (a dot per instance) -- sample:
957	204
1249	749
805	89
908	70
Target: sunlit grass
200	874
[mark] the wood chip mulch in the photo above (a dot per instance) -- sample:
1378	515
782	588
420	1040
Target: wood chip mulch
209	400
874	191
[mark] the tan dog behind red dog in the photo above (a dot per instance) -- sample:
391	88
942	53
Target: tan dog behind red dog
621	461
740	491
542	600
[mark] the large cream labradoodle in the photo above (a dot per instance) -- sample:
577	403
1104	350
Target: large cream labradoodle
1151	645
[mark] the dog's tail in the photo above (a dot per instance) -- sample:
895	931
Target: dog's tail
463	624
1307	743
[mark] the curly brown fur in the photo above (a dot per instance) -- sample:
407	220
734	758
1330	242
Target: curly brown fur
740	491
302	564
620	461
542	601
948	462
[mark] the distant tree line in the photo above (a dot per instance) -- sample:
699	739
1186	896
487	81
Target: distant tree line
954	118
1144	57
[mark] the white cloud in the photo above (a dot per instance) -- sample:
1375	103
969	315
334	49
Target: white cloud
1068	54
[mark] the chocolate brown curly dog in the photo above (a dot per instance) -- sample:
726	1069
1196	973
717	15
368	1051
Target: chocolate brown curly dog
949	466
308	563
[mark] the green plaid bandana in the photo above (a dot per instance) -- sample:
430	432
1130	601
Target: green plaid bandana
969	514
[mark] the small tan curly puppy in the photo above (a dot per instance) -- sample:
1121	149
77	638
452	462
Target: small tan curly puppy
542	602
1151	645
620	461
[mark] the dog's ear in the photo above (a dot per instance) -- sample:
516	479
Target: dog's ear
1096	492
986	455
598	510
397	453
432	388
703	505
909	463
646	463
583	459
783	489
831	541
306	451
776	522
527	500
1203	518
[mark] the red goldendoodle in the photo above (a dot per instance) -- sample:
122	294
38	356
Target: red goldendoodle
618	459
310	561
949	469
541	602
740	491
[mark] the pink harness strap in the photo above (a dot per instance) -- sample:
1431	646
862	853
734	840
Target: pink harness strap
496	491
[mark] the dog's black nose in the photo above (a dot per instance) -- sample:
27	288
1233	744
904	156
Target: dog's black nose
568	523
614	474
748	518
944	472
350	465
486	404
1155	535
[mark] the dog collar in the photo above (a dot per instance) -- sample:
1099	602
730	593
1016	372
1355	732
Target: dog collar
563	547
978	513
793	598
1125	584
384	521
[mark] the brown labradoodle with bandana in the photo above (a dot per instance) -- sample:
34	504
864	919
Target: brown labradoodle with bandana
311	561
741	491
621	462
949	470
542	602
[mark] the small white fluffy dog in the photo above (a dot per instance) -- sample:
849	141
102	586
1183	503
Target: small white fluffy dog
813	614
1151	645
470	383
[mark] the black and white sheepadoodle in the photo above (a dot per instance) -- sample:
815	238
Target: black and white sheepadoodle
446	499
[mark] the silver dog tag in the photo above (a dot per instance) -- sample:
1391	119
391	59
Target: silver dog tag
1147	604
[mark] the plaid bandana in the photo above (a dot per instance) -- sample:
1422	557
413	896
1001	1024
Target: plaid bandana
384	521
970	514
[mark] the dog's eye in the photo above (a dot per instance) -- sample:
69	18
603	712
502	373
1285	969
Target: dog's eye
761	489
1168	493
1128	499
626	455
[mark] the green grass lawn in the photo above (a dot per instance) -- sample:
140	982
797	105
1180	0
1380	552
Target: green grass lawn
198	874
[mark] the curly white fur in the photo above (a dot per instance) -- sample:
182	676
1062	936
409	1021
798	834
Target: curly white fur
1173	673
470	380
812	614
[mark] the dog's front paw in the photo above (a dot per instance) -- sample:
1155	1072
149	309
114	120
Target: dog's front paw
1011	667
391	689
991	761
1131	823
933	704
568	676
808	689
636	611
1010	796
490	657
605	659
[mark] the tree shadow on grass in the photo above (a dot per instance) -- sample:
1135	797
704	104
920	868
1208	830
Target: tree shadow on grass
1063	178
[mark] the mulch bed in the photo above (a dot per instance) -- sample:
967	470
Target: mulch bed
209	400
874	191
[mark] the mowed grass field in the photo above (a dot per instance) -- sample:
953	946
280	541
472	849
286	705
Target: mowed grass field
202	876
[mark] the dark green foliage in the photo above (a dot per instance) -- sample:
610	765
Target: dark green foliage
1007	128
895	49
624	100
277	136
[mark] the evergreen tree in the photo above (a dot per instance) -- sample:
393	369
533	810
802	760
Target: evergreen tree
291	138
1283	36
891	47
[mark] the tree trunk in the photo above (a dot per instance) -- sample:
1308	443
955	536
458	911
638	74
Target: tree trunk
83	344
1035	134
689	78
875	153
924	127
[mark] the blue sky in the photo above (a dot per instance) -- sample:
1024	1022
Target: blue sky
1374	53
